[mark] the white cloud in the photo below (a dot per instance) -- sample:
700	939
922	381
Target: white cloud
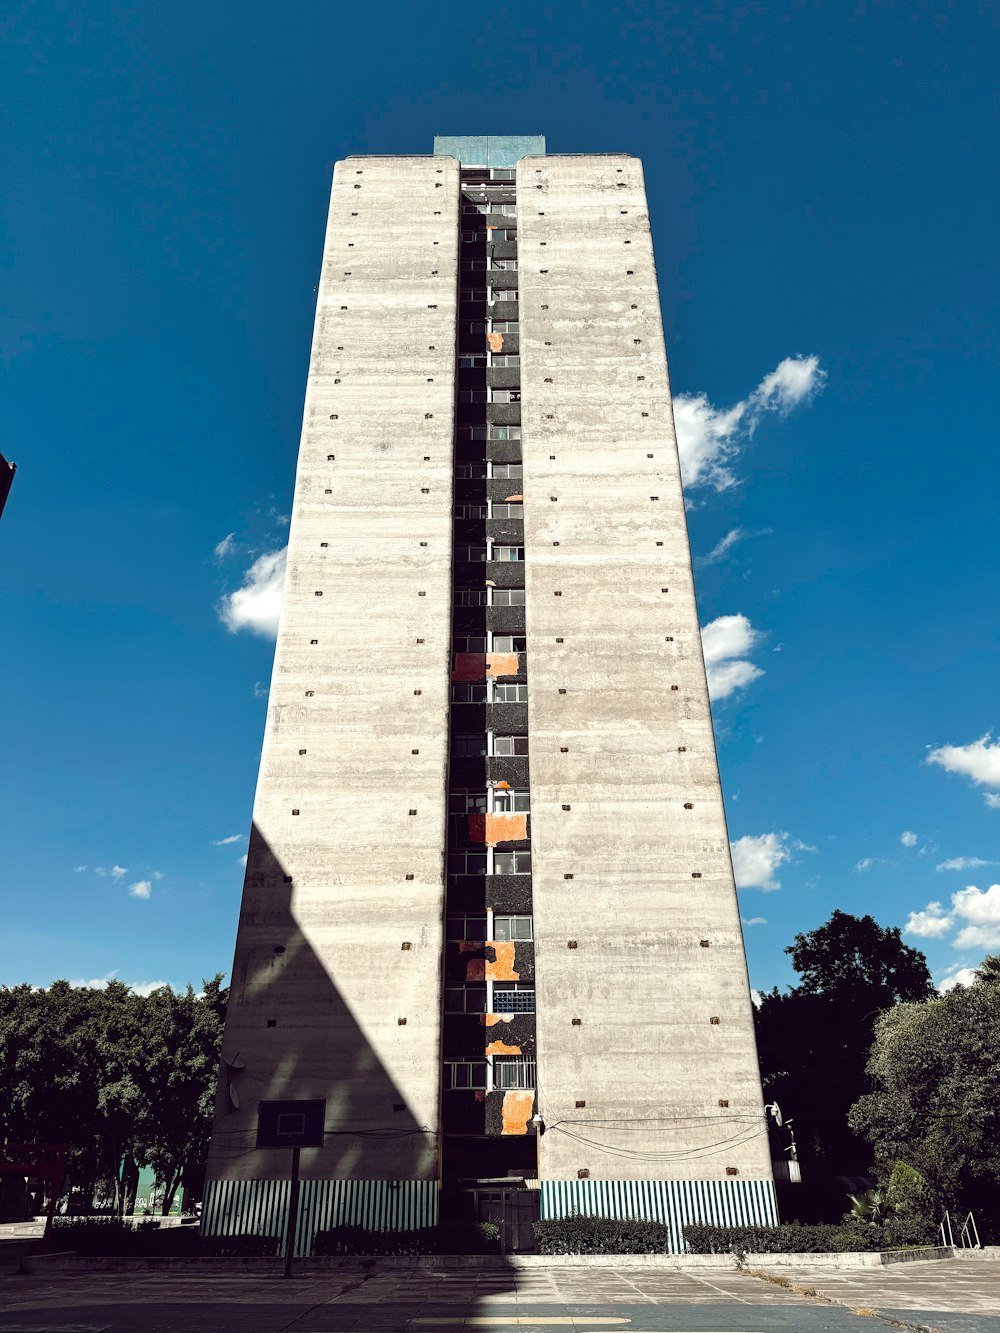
709	438
979	760
260	690
930	924
140	987
243	860
142	888
225	842
754	920
256	606
981	909
756	859
867	862
118	871
956	976
908	839
725	642
100	870
964	863
722	547
78	870
225	547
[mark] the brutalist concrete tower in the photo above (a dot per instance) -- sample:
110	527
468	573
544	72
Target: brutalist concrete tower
489	917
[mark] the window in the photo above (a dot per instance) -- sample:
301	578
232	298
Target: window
472	1000
475	208
474	265
470	927
468	747
513	1071
473	235
505	326
469	692
504	432
502	264
515	998
502	470
472	360
466	510
470	597
474	554
468	1074
508	596
465	861
510	863
502	294
467	802
511	800
470	643
474	294
510	928
508	643
472	433
496	396
502	173
508	693
506	510
470	471
473	396
509	361
473	326
507	745
508	553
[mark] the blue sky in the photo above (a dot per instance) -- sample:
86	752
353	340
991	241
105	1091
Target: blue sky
820	202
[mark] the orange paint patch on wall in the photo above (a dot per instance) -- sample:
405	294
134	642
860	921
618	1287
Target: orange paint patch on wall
497	664
501	828
469	666
513	497
516	1112
502	968
475	969
495	340
490	1020
499	1048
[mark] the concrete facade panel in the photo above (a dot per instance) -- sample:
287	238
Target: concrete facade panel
634	876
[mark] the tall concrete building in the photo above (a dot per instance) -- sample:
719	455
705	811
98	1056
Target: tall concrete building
489	915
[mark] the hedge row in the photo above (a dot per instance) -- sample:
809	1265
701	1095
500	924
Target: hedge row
118	1236
447	1238
808	1238
602	1235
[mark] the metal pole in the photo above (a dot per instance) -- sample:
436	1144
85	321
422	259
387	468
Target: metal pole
293	1213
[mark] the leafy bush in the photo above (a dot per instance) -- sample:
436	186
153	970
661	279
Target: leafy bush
447	1238
808	1238
123	1237
602	1235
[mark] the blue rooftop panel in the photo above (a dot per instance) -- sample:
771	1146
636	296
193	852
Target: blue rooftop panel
488	150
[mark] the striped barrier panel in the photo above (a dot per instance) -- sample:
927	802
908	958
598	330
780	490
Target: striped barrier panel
260	1207
717	1202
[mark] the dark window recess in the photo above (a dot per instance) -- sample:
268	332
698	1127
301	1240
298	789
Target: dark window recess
570	944
577	1022
406	946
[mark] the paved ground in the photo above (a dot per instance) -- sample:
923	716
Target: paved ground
534	1301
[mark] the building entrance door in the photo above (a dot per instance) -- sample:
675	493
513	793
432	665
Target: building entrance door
513	1211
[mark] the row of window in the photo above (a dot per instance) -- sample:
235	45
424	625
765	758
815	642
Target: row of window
489	597
492	509
515	998
503	800
489	432
489	326
481	360
478	554
477	471
495	692
491	294
509	1072
491	265
492	234
489	395
475	861
473	747
490	643
475	926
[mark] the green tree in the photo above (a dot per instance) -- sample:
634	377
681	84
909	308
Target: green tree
814	1039
935	1067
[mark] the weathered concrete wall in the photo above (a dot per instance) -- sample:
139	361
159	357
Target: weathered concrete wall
340	936
630	853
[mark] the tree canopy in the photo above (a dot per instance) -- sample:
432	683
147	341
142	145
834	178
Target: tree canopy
123	1080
